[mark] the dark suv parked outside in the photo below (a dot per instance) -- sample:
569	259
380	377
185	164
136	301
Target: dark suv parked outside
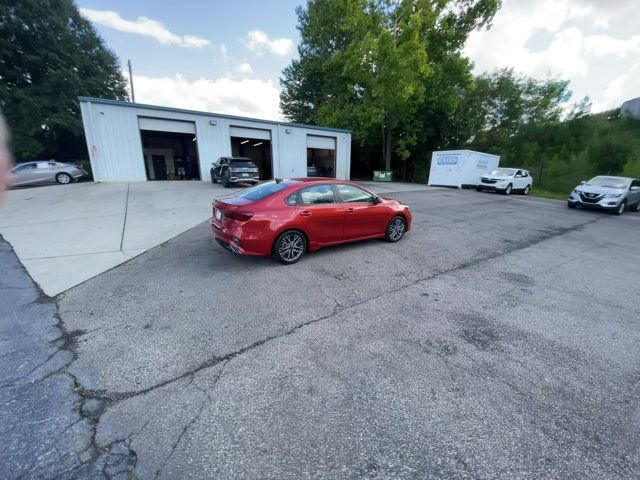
230	170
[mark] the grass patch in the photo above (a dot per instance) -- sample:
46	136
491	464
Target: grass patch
546	194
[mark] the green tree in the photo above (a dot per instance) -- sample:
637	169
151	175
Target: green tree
49	55
504	104
367	64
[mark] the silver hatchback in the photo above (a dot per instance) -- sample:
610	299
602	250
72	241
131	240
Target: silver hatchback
50	171
615	194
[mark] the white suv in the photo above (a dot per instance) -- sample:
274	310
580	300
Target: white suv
507	180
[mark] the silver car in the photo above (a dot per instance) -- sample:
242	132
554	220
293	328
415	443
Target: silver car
38	173
614	194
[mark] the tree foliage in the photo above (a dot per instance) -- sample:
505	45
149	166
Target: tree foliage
529	124
393	73
382	68
49	55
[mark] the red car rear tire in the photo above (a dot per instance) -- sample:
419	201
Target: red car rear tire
289	247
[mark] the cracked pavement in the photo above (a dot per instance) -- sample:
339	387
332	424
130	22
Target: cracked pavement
499	339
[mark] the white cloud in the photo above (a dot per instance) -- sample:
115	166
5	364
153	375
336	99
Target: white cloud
504	45
620	89
143	26
259	42
564	38
604	45
246	97
601	13
244	68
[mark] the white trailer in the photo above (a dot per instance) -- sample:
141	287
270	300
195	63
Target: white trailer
457	168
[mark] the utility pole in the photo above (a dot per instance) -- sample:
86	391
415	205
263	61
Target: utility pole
133	95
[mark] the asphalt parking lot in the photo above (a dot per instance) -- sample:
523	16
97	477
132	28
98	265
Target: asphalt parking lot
498	339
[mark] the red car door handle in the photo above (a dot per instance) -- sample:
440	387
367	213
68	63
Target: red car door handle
306	213
351	210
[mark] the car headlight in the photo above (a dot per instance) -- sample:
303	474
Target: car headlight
576	192
612	195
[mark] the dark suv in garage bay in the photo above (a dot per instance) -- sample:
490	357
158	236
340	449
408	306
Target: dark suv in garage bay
230	170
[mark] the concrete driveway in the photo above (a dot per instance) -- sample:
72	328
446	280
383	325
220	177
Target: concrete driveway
499	339
66	234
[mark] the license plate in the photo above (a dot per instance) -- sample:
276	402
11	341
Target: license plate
245	174
218	215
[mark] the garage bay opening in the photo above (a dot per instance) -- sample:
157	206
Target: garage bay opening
255	144
321	156
169	149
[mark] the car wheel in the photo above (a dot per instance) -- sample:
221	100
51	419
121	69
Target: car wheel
621	208
507	191
526	190
213	177
395	229
290	247
637	207
225	181
571	205
63	178
479	189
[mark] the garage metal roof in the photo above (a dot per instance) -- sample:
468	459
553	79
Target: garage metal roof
122	103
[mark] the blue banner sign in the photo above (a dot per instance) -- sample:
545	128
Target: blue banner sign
448	159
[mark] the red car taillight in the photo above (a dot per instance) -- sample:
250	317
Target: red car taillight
239	216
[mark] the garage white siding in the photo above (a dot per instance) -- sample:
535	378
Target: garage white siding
112	130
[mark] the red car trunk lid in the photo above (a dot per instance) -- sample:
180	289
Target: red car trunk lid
232	209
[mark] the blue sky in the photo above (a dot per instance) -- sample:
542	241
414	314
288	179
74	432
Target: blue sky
220	22
227	56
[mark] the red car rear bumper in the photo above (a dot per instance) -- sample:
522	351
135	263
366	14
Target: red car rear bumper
237	241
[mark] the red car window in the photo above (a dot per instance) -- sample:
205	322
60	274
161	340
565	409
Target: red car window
317	194
350	193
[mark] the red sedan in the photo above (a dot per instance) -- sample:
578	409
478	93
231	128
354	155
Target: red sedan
286	218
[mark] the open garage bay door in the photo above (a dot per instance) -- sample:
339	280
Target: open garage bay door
255	144
169	149
321	156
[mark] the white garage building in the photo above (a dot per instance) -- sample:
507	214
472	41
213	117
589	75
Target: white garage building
136	142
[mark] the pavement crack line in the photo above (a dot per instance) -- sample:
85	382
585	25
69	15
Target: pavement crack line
93	453
116	397
195	418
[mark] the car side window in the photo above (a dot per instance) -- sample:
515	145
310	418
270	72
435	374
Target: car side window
318	194
292	199
351	194
519	173
24	168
